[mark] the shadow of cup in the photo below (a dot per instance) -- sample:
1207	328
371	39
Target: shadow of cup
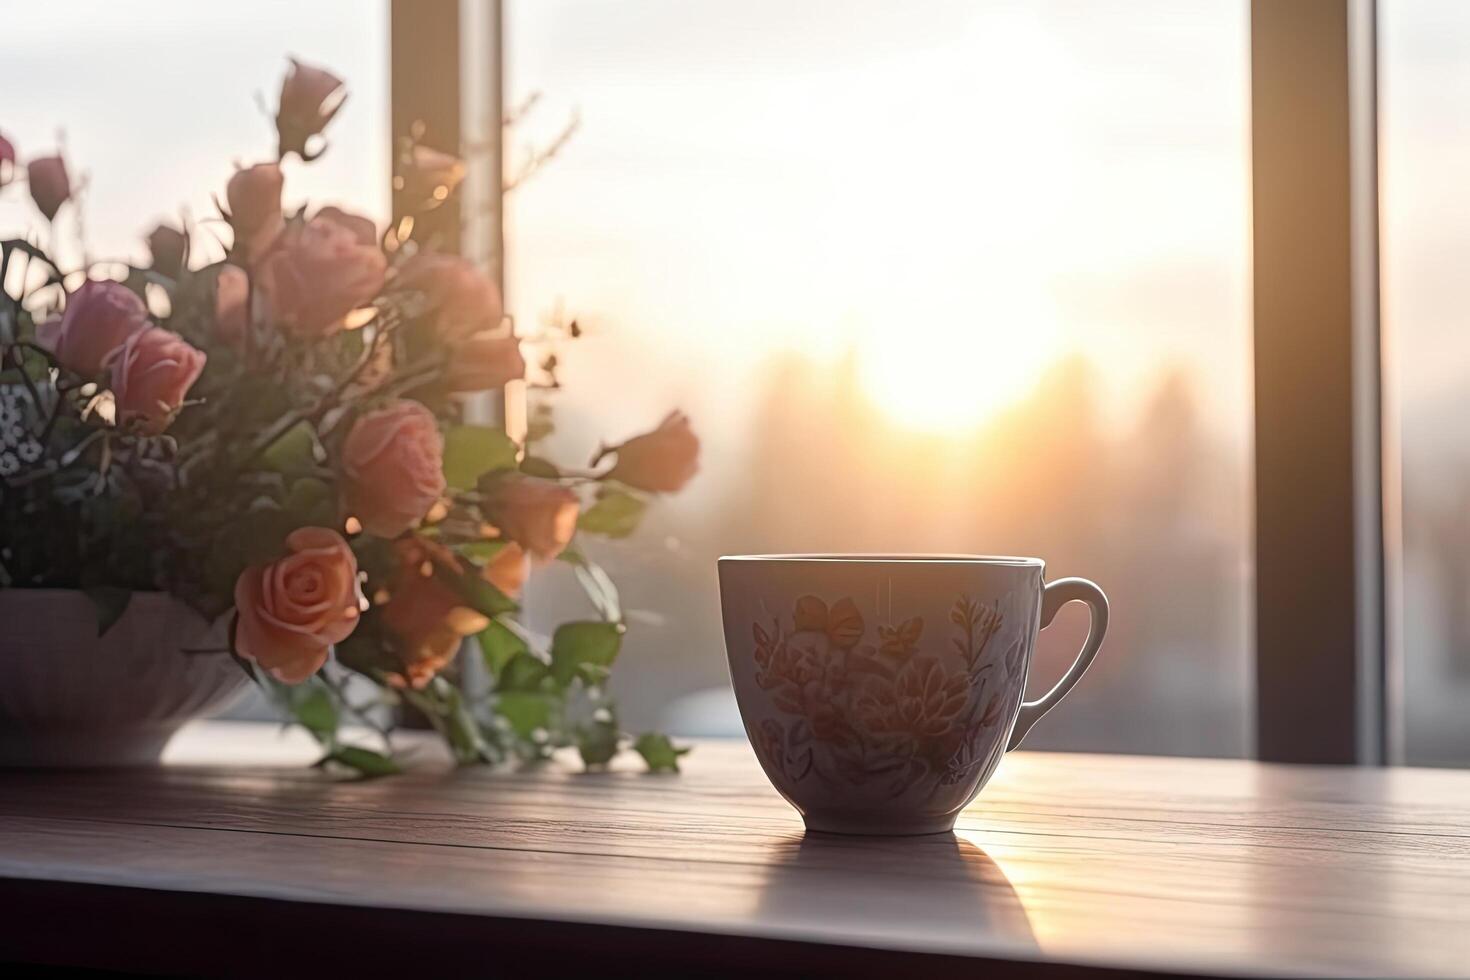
937	892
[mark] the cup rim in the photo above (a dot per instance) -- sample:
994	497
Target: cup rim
893	559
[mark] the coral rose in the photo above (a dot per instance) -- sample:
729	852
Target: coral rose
484	361
169	247
292	610
310	97
462	299
539	515
318	274
393	462
508	569
151	373
99	316
50	184
427	618
661	461
254	198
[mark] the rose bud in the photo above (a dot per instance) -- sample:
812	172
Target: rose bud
321	272
253	196
99	316
152	372
485	362
508	569
539	515
462	299
310	97
169	247
291	611
661	461
393	464
7	161
427	618
50	185
231	305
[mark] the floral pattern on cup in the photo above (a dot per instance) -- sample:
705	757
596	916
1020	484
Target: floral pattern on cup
894	703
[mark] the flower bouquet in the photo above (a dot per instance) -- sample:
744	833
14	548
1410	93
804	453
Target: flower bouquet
284	440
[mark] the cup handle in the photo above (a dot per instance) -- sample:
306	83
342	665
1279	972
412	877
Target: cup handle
1053	597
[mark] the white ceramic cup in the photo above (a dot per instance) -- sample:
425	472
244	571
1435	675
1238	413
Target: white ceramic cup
880	691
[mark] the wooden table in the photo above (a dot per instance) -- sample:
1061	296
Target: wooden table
236	860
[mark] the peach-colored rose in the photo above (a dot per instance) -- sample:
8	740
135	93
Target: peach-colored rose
99	316
151	373
463	300
169	247
393	462
539	515
508	569
661	461
310	97
292	610
231	305
318	274
485	361
427	618
254	199
50	185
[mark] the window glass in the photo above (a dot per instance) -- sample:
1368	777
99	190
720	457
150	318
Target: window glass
938	276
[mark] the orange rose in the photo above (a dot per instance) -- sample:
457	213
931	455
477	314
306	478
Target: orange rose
151	373
254	198
427	618
485	361
539	515
463	300
393	461
318	274
291	611
661	461
508	569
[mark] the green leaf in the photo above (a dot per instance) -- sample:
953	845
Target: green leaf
477	593
365	761
595	583
523	672
470	450
313	708
310	503
616	513
524	711
481	551
598	742
294	451
499	645
658	752
111	603
584	649
460	727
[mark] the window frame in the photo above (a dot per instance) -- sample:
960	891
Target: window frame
1325	487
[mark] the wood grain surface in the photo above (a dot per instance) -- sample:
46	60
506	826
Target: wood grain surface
237	859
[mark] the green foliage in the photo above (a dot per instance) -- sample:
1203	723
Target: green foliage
616	513
658	752
365	762
472	450
584	651
499	645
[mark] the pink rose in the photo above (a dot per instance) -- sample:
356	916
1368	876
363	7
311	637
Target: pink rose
169	247
539	515
7	161
393	461
485	361
318	274
661	461
310	97
463	300
151	373
254	199
50	185
291	611
99	316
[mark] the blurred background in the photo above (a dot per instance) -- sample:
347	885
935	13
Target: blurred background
934	276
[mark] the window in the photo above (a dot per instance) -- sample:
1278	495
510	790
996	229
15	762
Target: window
1424	57
974	280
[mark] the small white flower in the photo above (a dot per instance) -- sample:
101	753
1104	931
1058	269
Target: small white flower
9	465
29	452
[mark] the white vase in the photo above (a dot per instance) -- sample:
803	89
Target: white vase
71	698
